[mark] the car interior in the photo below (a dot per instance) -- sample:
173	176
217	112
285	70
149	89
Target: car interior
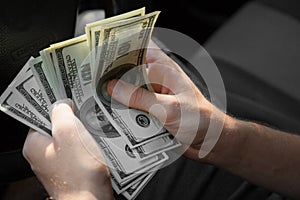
254	44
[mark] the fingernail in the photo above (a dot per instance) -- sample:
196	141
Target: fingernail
61	101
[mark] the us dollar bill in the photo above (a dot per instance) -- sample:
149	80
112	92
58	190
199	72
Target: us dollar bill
155	147
47	87
48	67
121	188
14	103
133	191
124	43
28	87
122	56
93	30
62	61
93	37
137	184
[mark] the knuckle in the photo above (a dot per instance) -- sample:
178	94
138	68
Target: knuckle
173	108
174	105
136	97
63	127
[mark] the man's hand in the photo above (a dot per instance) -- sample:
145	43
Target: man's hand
176	100
69	164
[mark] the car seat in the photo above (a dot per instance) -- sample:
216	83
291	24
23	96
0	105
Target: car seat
26	27
257	52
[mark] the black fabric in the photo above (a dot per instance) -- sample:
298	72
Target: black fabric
251	98
289	7
14	167
263	42
26	27
190	180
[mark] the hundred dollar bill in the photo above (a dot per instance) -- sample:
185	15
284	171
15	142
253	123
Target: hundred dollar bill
139	180
29	88
50	72
93	29
47	87
72	61
62	61
156	147
118	152
122	55
133	191
123	43
127	161
137	127
123	164
92	38
121	188
75	67
13	103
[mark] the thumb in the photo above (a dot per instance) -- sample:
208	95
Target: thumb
36	147
140	98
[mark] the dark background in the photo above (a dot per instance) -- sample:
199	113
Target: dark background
196	18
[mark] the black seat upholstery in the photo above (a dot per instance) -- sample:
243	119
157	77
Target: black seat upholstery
26	27
259	48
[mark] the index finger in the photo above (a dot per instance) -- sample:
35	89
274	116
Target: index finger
155	55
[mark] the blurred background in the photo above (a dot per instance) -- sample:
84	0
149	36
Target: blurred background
198	19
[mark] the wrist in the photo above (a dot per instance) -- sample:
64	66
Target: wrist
84	195
228	150
87	192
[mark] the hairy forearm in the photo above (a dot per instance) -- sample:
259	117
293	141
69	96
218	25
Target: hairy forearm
262	155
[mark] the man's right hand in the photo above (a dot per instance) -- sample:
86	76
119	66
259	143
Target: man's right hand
176	100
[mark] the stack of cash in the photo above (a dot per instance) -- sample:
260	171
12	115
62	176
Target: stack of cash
133	143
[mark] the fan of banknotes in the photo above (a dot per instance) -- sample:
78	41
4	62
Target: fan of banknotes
132	141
